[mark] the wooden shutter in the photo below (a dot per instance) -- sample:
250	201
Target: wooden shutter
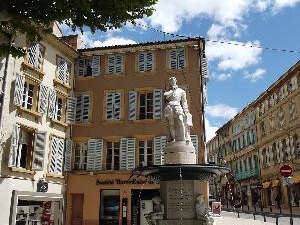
90	155
111	64
19	87
173	59
109	106
71	110
181	58
141	61
54	149
40	55
68	155
98	154
159	145
85	110
149	65
39	151
51	103
56	159
118	64
32	51
130	164
132	100
14	145
96	65
81	67
59	156
117	106
292	110
43	99
294	83
194	139
123	152
62	67
157	103
79	108
204	67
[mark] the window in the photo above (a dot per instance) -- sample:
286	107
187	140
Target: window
146	152
27	148
110	206
115	64
281	116
89	66
177	58
145	61
82	108
35	54
250	163
28	93
63	69
292	110
263	129
146	105
56	158
113	106
80	156
58	109
113	156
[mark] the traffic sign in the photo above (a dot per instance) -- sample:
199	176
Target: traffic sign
286	170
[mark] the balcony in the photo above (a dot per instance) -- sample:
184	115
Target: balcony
246	174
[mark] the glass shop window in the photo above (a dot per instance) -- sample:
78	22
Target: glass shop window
109	207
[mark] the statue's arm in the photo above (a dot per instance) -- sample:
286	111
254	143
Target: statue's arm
184	103
167	94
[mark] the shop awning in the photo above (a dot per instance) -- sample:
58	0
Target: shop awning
275	183
266	184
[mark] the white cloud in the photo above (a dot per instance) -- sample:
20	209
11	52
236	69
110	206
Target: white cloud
221	111
210	130
113	41
233	57
257	75
221	76
279	4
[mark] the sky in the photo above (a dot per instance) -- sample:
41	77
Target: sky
237	74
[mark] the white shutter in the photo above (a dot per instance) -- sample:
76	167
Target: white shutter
123	152
149	65
294	83
90	155
68	155
19	87
59	156
79	108
43	99
194	139
159	145
163	141
173	59
157	103
292	110
118	64
130	164
98	158
81	67
71	110
85	110
62	67
181	58
32	51
39	151
54	149
56	159
141	61
39	56
96	65
132	100
14	145
51	103
117	106
111	64
109	106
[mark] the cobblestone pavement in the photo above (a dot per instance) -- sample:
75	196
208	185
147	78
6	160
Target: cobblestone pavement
230	218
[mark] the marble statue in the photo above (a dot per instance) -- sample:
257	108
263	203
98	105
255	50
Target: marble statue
202	212
177	112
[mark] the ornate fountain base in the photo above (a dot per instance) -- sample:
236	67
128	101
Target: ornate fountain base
179	152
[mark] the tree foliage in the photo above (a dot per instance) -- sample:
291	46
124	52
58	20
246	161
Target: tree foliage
34	17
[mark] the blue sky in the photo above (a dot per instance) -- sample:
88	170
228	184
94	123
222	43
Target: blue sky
237	74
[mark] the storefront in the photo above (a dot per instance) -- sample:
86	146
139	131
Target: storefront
109	199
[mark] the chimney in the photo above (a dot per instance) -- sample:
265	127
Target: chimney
73	40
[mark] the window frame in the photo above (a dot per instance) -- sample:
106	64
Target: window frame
40	67
145	92
113	156
69	70
145	154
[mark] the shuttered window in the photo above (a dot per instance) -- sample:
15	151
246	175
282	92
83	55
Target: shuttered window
132	103
51	103
35	54
63	69
28	94
145	61
292	106
146	105
82	108
150	104
113	156
58	109
68	155
195	142
146	152
80	156
71	110
159	148
127	154
43	99
94	154
115	64
177	58
56	155
113	106
89	66
39	151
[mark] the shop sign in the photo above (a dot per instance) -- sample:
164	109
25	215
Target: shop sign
286	170
216	207
120	181
42	186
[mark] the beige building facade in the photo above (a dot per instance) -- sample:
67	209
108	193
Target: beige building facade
119	126
34	129
259	140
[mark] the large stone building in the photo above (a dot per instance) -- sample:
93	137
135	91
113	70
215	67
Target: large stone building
119	125
259	140
34	128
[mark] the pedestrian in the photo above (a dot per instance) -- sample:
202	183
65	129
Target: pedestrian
278	200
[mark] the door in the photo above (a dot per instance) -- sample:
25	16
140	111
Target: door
77	209
146	207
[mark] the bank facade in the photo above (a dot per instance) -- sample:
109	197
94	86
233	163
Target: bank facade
119	126
260	139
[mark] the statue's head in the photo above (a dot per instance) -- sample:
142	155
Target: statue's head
156	200
172	81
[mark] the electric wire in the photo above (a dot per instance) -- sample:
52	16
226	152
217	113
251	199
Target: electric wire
218	41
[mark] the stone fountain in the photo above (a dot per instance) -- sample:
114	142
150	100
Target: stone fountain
181	201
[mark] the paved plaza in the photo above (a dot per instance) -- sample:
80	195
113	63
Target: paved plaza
230	218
